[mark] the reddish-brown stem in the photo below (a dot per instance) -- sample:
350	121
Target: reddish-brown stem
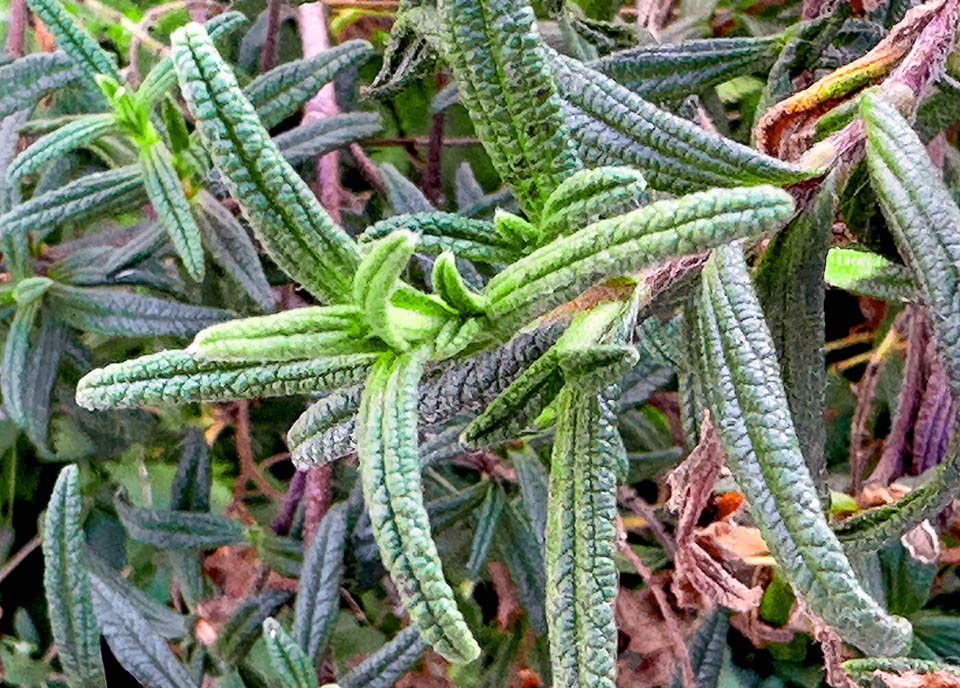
317	496
18	20
283	521
268	52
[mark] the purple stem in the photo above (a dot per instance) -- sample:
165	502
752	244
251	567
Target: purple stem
18	20
284	520
268	52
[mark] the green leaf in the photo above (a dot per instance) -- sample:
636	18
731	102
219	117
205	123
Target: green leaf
243	629
90	58
69	605
117	311
438	231
376	280
169	202
523	553
138	648
404	196
939	632
671	71
325	431
533	477
790	288
613	126
25	81
449	286
16	348
906	580
168	529
85	199
298	333
488	516
190	489
49	345
286	217
69	137
390	473
861	670
284	89
496	55
869	274
177	376
291	664
389	663
706	649
747	401
318	593
315	139
561	270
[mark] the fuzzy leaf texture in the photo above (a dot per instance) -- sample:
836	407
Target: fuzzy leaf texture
497	57
25	81
390	472
69	604
69	137
286	217
289	662
745	394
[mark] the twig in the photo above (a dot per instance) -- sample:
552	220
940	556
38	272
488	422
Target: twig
673	627
248	468
112	15
283	521
15	25
17	558
631	500
432	183
317	500
268	52
367	168
421	141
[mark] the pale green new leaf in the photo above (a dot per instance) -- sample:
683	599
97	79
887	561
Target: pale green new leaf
438	231
69	605
869	274
291	664
286	217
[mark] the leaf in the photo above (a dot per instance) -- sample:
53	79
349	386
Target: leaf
488	516
190	489
325	431
906	580
165	191
869	274
288	660
746	398
377	279
706	649
561	270
42	365
523	553
672	71
16	349
449	285
89	58
286	217
56	144
290	335
403	194
390	474
85	199
318	593
861	670
69	605
613	126
243	629
178	376
533	478
26	80
790	288
496	55
168	529
437	231
117	311
386	665
138	648
284	89
315	139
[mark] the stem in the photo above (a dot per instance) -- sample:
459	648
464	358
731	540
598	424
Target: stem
17	558
18	19
317	496
268	52
282	523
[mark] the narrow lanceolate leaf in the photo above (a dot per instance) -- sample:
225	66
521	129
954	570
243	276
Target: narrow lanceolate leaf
581	573
438	231
231	247
69	137
69	606
318	593
862	670
286	217
25	81
488	516
616	246
294	334
390	473
745	394
315	139
922	217
869	274
138	648
376	280
449	285
168	529
614	126
284	89
706	649
325	432
177	376
672	71
88	57
289	662
403	194
591	195
243	629
389	663
791	291
499	62
43	362
116	311
169	202
87	198
190	490
16	349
